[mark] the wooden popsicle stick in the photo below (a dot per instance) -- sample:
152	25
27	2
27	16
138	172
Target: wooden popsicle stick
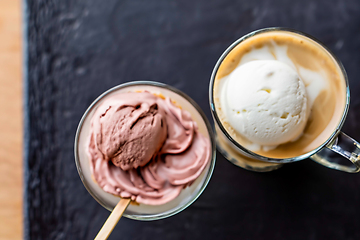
113	219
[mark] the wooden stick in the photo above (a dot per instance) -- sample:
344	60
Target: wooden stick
113	219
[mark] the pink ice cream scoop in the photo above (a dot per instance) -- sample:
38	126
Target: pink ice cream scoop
145	148
130	134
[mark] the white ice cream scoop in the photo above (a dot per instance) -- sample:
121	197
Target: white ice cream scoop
266	102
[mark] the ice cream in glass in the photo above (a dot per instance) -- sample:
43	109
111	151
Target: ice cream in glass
148	142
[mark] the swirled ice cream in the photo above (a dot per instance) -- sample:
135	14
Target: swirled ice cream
145	148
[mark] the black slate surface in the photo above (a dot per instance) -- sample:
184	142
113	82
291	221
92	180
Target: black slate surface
76	49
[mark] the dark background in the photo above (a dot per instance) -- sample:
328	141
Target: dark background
77	49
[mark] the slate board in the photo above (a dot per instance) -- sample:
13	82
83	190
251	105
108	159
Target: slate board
76	49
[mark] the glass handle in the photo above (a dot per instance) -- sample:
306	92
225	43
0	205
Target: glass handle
342	145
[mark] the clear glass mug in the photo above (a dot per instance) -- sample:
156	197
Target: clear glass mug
141	211
339	151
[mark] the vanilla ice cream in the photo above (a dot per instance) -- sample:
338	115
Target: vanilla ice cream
265	101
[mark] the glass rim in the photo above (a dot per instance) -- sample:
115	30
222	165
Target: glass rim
248	152
168	213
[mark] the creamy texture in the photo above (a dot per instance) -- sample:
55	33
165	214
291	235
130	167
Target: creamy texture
130	135
128	131
265	101
322	77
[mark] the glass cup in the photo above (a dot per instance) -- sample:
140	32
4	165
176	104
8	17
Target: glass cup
338	152
142	211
